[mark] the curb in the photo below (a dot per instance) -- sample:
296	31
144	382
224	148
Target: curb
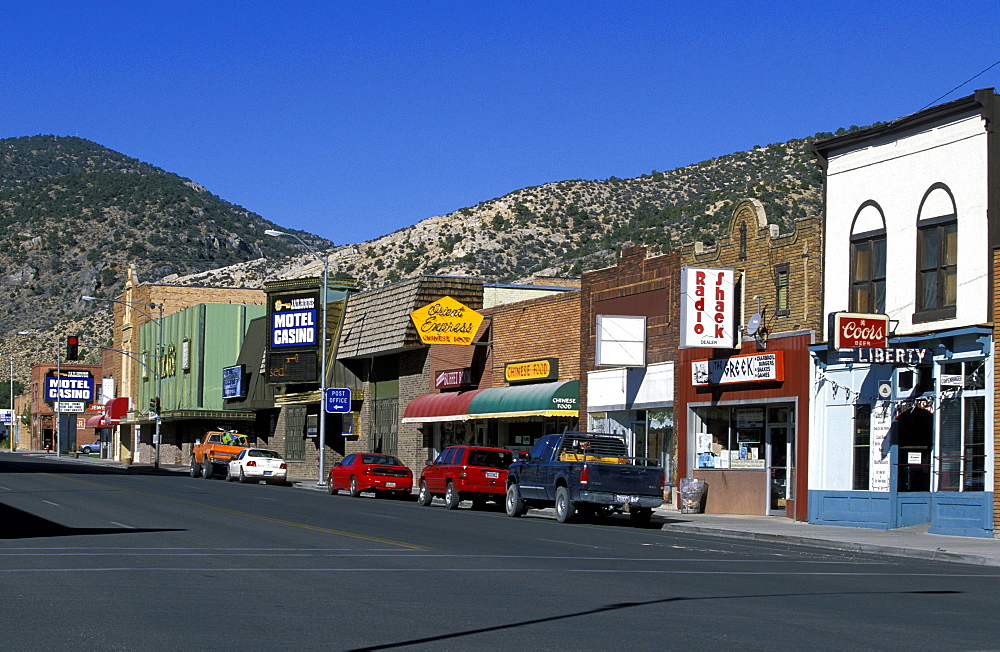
843	546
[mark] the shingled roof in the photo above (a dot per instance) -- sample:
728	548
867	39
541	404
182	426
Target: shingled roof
378	321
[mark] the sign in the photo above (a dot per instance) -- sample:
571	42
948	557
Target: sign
913	458
750	417
453	378
70	386
531	370
6	416
854	329
69	406
898	356
708	307
885	389
233	385
96	407
446	321
293	320
951	380
292	367
338	400
759	367
881	467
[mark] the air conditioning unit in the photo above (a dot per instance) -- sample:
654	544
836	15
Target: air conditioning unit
908	382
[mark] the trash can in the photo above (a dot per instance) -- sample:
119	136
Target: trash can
692	492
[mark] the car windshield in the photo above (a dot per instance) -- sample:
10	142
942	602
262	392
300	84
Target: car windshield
493	459
263	453
380	459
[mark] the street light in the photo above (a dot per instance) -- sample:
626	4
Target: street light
157	371
322	360
58	403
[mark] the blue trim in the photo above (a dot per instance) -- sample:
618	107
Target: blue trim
965	514
968	514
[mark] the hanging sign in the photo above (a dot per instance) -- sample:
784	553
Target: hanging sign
854	329
446	321
708	306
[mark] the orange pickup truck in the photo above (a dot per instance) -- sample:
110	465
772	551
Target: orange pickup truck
213	454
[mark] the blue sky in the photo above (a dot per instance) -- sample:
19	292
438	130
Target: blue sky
353	119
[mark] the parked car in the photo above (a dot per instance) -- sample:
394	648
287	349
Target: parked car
256	464
460	473
370	472
95	447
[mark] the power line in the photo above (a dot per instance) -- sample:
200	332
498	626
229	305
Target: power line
933	102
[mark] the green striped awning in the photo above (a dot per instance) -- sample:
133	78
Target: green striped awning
559	399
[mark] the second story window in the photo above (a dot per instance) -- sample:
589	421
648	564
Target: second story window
937	260
781	304
868	272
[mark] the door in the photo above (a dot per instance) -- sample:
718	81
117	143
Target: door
780	459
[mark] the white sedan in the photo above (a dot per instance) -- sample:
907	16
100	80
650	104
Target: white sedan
256	464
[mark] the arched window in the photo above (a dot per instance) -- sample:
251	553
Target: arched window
937	255
868	260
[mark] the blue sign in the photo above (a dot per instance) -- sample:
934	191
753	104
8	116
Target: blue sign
71	386
338	400
293	328
232	381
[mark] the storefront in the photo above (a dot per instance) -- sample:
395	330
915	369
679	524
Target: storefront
743	418
903	433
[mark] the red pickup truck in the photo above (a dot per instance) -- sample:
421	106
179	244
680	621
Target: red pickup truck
460	473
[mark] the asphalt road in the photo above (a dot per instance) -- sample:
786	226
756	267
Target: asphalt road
94	558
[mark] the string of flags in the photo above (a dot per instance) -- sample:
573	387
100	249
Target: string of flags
933	401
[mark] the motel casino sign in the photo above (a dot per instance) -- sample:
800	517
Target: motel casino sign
294	332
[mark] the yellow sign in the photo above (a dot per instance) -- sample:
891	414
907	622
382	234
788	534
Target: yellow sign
446	321
544	369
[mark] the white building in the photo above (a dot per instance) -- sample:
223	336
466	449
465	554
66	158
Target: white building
902	438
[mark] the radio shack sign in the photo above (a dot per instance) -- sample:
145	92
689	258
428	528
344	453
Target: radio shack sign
853	330
446	321
708	304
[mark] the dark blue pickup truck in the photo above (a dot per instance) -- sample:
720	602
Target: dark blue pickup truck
584	472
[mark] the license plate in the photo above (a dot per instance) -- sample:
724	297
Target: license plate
267	473
626	499
390	484
492	475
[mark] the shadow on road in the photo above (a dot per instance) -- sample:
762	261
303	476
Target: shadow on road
18	524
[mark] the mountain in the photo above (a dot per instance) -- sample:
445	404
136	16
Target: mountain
75	215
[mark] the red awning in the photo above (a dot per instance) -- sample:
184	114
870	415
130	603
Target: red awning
116	409
97	421
439	406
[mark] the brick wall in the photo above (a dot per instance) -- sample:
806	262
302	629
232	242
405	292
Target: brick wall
546	327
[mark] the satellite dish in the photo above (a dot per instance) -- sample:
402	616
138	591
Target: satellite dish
753	324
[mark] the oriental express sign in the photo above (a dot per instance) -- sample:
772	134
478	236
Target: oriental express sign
852	330
532	370
446	321
755	368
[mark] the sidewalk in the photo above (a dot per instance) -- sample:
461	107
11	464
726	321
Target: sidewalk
914	542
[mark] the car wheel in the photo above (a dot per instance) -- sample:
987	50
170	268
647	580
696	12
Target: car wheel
206	470
243	476
513	504
330	488
86	450
565	510
640	517
195	469
451	497
424	497
355	492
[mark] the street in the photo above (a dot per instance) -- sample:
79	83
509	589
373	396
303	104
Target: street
98	558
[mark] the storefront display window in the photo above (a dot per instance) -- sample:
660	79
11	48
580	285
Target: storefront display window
730	438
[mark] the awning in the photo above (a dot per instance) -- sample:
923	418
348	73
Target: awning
439	406
559	399
97	421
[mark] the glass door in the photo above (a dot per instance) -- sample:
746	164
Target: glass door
780	459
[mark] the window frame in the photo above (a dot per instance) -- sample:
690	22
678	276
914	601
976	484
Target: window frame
940	310
782	280
869	238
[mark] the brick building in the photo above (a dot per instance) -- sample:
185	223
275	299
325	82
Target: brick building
75	408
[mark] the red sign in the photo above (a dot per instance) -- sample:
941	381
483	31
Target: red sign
453	378
854	329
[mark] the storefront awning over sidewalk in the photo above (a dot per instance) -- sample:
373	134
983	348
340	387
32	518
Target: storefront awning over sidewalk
559	399
439	406
98	421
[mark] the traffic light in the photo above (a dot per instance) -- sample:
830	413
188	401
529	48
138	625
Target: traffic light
154	405
72	347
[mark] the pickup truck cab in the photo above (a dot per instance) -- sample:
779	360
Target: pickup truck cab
590	473
214	454
475	473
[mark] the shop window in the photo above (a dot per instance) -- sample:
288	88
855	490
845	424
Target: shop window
295	432
781	289
868	273
962	457
862	446
730	438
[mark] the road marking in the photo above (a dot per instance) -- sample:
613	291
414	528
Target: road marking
304	526
570	543
122	525
5	488
52	503
529	570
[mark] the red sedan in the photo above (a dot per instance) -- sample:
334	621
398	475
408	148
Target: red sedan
383	474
